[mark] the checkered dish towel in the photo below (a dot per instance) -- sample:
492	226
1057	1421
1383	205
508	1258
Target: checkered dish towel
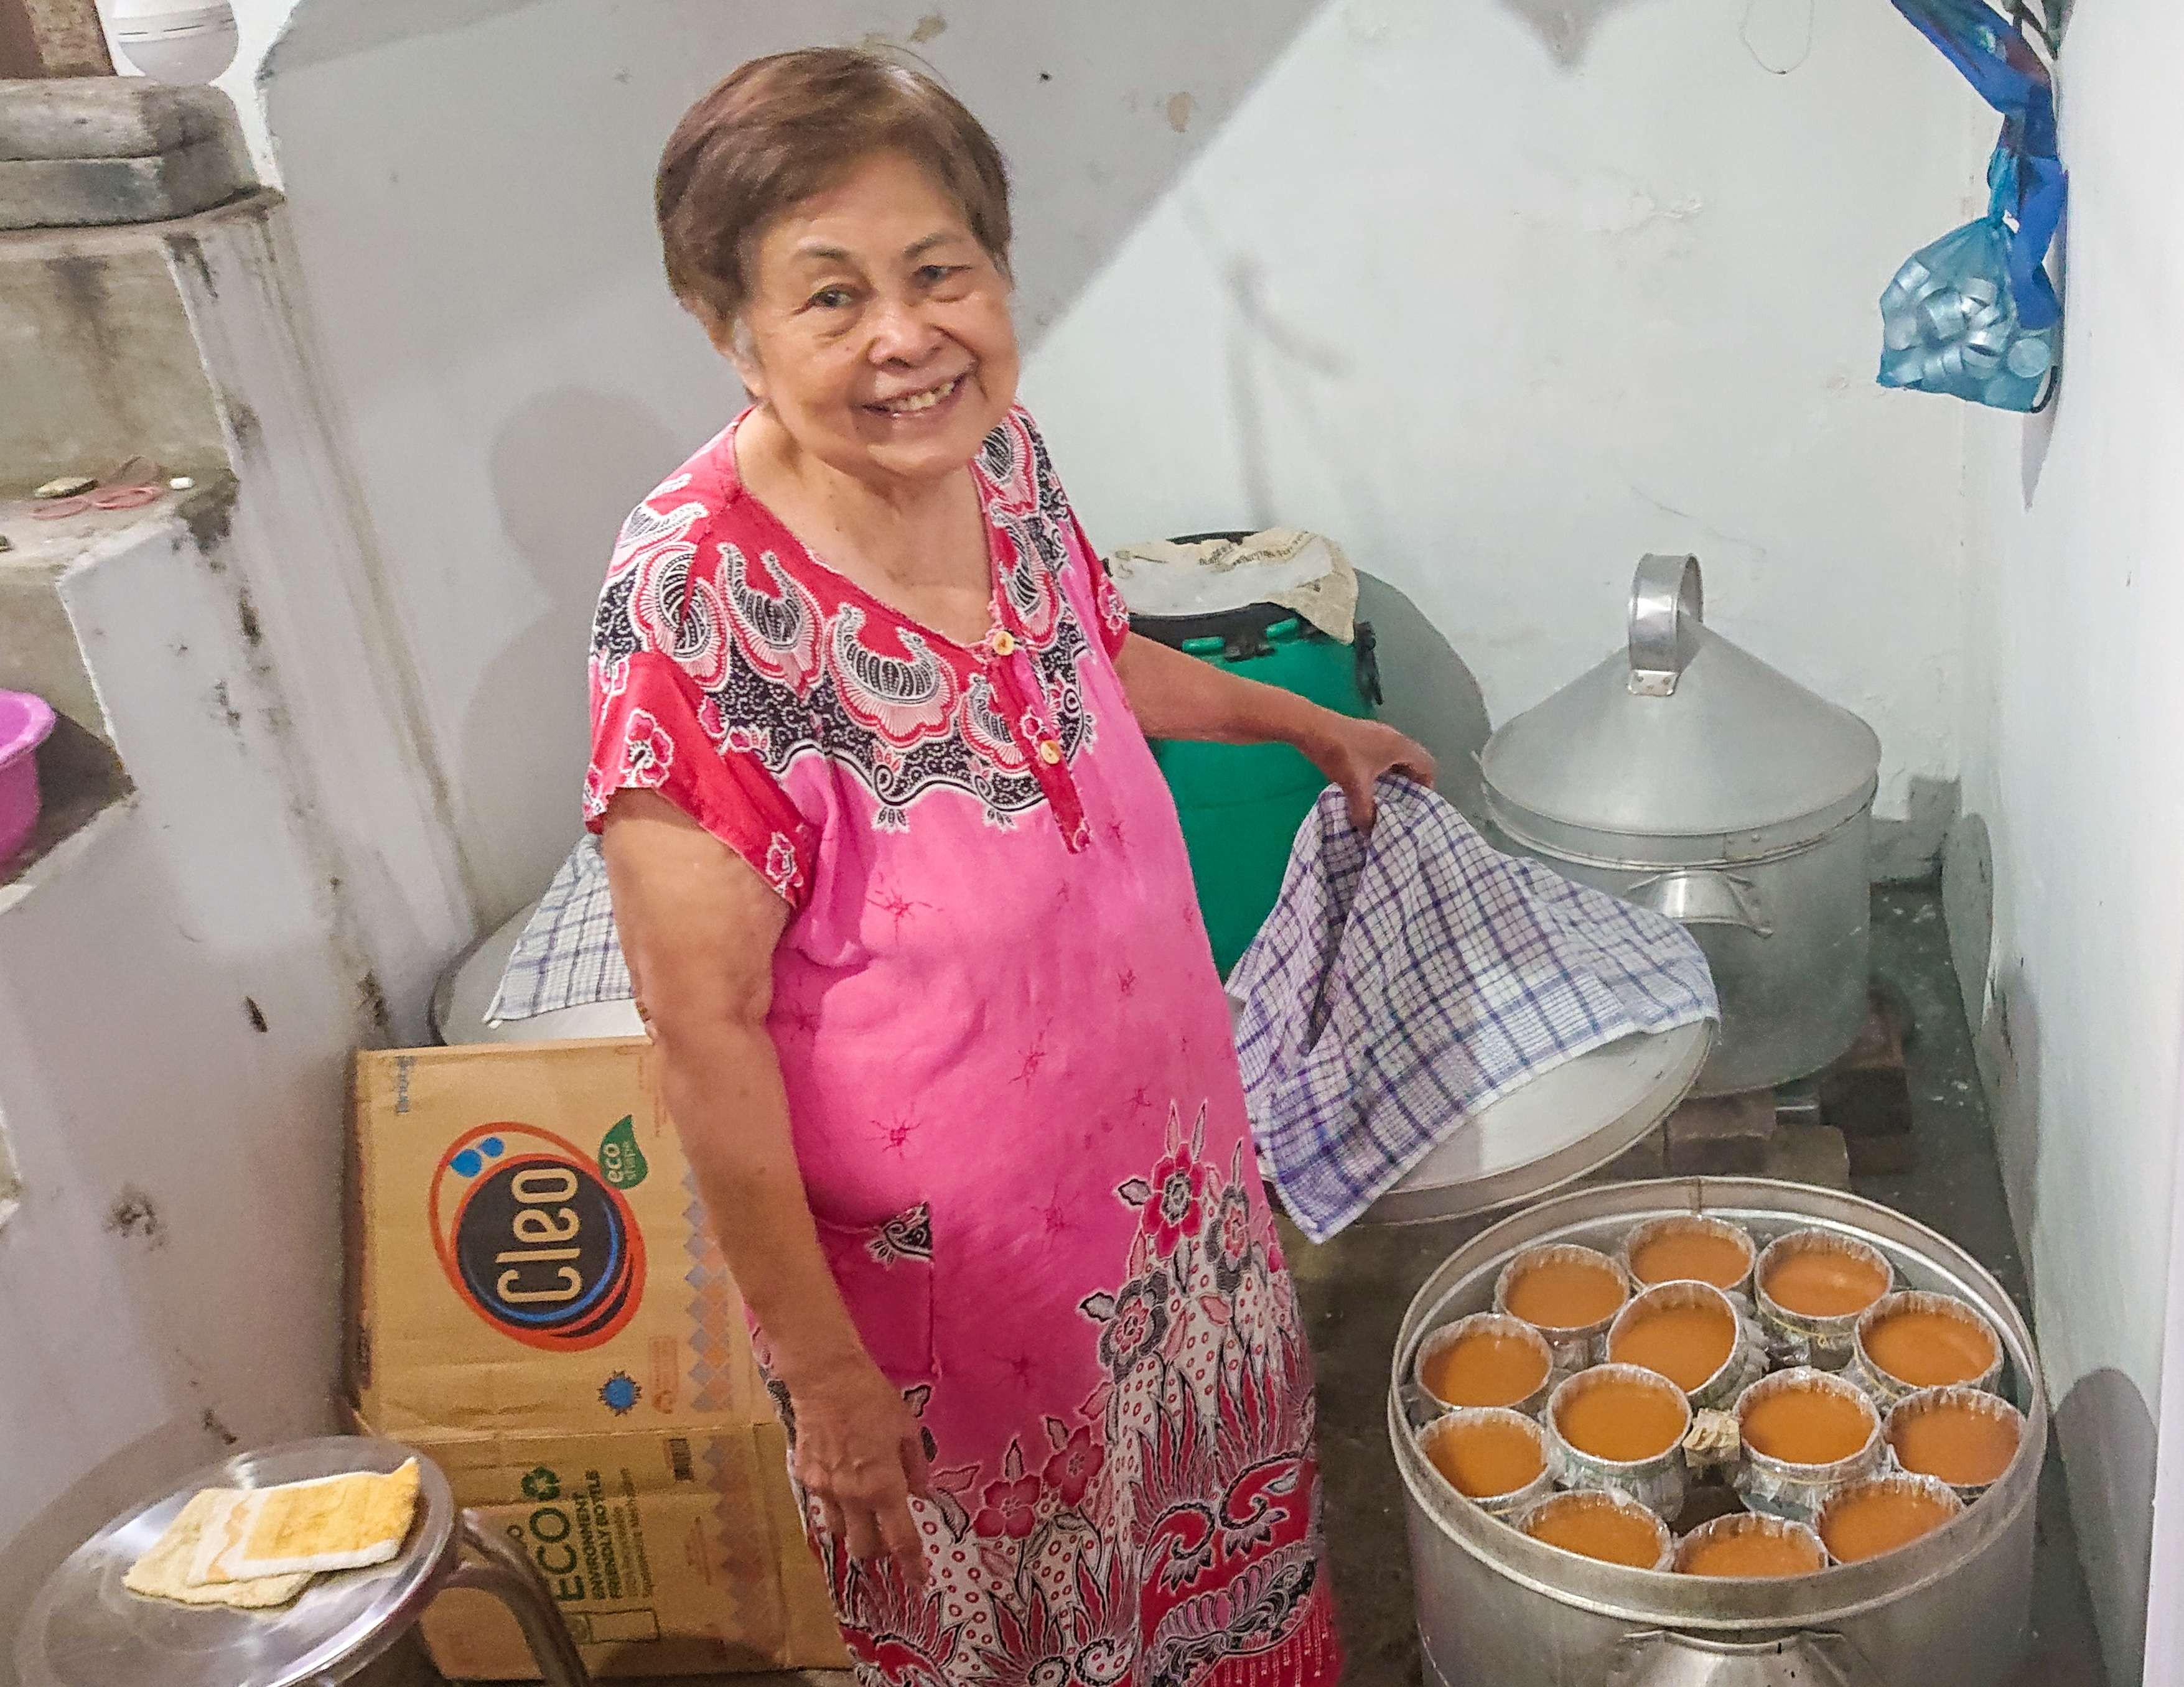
569	954
1408	978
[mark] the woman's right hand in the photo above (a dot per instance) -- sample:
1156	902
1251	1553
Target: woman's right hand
860	1453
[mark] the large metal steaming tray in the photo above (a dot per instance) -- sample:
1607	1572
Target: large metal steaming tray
1598	1218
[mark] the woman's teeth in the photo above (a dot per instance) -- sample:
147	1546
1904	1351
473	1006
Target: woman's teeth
921	401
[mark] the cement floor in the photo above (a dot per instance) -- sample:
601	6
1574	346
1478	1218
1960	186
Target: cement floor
1355	1288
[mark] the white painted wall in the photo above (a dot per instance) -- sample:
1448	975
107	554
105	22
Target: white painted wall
1503	322
1616	296
2074	733
169	1277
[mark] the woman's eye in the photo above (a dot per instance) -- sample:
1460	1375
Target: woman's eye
932	274
831	299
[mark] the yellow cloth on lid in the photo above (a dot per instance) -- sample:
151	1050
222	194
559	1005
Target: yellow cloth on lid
163	1572
332	1522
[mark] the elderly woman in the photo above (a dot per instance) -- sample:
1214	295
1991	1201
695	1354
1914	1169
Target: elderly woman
907	910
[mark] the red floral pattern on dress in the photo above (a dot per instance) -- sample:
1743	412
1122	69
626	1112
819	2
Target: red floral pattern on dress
1171	1537
713	613
1178	1185
1012	1504
647	751
1075	1465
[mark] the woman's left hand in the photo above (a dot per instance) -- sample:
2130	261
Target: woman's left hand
1354	753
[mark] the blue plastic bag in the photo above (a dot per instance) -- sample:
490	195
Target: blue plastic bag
1951	321
1974	314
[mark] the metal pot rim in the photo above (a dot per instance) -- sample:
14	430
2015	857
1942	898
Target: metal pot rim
1588	844
1660	1599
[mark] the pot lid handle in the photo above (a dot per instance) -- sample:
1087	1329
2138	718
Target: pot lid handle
1667	603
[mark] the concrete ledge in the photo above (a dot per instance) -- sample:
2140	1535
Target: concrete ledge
81	776
106	117
95	151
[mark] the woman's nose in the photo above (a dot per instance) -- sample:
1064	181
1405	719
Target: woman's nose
902	332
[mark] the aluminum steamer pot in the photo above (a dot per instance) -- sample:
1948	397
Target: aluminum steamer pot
1948	1610
1687	775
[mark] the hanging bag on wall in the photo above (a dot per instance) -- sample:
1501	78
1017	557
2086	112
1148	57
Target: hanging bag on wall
1974	315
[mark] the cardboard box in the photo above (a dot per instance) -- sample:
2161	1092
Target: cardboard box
537	1306
528	1253
666	1553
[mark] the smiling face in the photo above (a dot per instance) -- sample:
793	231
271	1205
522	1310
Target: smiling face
877	334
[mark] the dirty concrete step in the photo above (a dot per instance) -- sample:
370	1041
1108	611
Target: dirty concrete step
98	151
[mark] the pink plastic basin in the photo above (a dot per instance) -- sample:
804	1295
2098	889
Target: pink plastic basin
25	721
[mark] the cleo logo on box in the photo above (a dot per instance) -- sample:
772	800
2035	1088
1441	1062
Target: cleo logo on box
534	1240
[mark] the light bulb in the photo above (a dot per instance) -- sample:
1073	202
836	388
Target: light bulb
174	41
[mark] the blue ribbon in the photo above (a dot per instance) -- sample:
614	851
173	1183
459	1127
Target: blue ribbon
1975	315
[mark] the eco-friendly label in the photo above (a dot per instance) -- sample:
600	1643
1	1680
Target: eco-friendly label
620	1159
586	1537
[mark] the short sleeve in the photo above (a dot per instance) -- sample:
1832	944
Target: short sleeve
655	728
1112	616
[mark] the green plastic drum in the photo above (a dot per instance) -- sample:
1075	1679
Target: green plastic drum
1241	804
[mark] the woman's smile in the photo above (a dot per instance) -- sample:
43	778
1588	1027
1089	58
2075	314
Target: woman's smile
921	405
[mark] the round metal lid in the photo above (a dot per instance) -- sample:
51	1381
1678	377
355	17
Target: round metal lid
84	1629
1570	1120
1682	735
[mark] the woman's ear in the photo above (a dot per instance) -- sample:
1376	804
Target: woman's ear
732	341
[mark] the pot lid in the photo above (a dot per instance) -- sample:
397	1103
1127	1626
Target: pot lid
1680	735
1572	1119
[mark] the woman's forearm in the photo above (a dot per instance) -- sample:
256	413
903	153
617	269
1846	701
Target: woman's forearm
724	1092
1175	696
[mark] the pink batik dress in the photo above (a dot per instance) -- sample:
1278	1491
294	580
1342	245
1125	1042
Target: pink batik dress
1011	1082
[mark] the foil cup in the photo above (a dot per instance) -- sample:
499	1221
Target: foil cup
1441	1340
2031	356
1740	1523
1517	1501
1659	1482
1977	1401
1942	316
1913	278
1654	1229
1800	1338
1573	1346
1607	1497
1902	1482
1887	1389
1784	1487
1747	1362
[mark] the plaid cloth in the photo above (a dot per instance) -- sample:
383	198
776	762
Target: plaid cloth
1407	979
568	955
